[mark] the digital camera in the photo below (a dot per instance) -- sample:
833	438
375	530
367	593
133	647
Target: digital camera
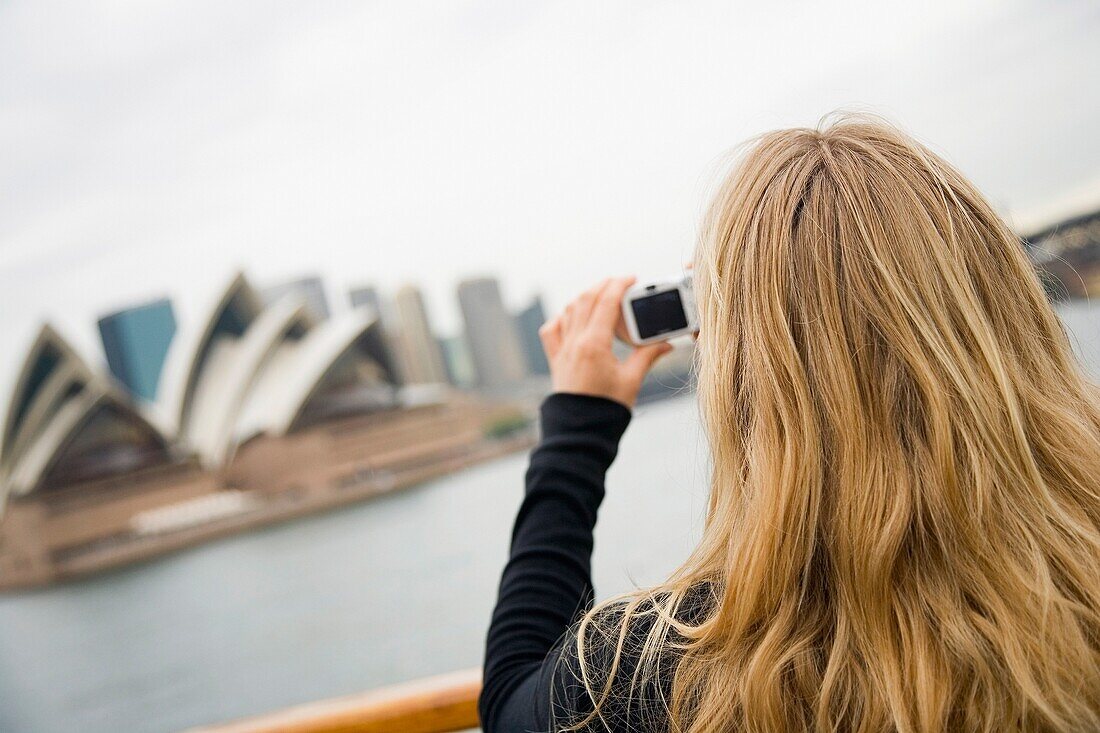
660	310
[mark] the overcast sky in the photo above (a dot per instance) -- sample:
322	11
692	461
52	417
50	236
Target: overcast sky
151	149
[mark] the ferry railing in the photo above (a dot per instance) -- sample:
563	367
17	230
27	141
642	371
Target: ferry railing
432	705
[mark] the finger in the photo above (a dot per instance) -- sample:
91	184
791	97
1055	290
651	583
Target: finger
620	330
588	299
608	310
566	319
642	358
550	335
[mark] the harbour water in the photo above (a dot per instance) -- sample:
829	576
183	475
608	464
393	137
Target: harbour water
393	589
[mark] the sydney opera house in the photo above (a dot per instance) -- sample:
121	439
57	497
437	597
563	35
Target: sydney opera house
265	411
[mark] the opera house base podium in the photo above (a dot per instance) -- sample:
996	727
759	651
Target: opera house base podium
61	533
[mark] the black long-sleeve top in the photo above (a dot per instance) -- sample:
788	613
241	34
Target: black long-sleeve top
530	678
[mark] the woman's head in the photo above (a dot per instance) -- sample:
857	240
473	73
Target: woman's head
903	522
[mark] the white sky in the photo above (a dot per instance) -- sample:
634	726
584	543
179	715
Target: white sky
152	148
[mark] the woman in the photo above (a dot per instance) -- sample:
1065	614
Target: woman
902	531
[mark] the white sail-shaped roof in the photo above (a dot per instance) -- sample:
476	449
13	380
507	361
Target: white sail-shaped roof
49	365
98	432
63	384
339	366
191	354
230	372
65	424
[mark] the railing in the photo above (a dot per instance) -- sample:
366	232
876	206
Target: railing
433	705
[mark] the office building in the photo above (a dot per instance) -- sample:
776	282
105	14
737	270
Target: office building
366	296
528	321
494	346
421	358
310	289
136	341
456	355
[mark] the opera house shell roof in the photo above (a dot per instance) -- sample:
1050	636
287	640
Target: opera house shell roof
246	370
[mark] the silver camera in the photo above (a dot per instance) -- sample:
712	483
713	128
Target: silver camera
660	310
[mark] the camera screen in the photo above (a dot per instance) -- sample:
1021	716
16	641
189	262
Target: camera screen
660	313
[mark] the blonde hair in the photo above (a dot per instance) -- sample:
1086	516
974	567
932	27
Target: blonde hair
902	532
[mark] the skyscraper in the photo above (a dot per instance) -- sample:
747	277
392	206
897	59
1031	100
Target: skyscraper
369	297
528	321
366	296
310	289
136	341
422	359
460	367
494	345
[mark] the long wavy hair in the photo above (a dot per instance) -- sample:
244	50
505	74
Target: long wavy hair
902	531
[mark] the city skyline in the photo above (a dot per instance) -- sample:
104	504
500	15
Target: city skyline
412	340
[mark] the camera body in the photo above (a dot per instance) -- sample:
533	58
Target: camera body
660	310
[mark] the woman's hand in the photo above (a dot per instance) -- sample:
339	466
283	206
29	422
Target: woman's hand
578	346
